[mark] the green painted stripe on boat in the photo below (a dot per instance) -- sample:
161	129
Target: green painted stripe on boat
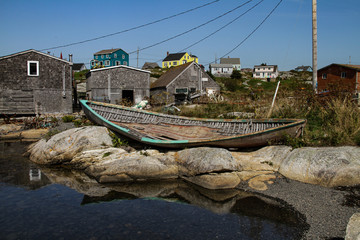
102	118
145	139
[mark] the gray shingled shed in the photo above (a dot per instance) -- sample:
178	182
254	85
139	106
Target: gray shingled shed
114	84
32	82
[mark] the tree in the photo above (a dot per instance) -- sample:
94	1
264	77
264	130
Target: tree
236	74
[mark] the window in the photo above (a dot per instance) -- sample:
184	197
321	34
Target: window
107	63
33	68
343	75
102	56
115	55
96	57
92	63
101	63
123	56
324	76
125	63
184	61
181	90
107	55
117	63
174	63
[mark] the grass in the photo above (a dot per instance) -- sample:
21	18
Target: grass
331	121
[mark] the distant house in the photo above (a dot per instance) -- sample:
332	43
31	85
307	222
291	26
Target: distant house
225	67
219	70
339	77
32	82
235	62
303	69
150	65
109	58
265	71
78	67
114	84
176	59
185	80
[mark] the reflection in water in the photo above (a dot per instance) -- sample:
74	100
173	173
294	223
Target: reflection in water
146	210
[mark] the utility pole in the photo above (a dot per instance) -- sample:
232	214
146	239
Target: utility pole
137	58
314	44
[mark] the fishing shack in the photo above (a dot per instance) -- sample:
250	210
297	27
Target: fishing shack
32	82
118	83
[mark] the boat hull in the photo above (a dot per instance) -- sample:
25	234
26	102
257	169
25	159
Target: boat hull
142	132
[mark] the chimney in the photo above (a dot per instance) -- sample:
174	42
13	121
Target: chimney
167	53
70	58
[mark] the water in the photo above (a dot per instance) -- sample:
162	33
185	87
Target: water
55	203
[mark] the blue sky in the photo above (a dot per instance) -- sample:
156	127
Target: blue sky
285	38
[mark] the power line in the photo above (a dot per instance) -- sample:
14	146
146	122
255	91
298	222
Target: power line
130	29
192	29
221	28
263	21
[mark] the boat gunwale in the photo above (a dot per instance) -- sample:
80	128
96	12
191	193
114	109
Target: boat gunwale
292	123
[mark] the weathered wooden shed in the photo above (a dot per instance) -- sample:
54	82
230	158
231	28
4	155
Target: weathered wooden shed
114	84
188	80
32	82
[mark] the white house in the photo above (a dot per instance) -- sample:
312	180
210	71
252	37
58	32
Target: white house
221	69
265	71
235	62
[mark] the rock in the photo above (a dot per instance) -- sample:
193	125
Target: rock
85	159
134	166
265	159
328	166
202	160
260	182
353	228
63	146
7	128
215	180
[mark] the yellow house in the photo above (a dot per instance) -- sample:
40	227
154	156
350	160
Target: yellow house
176	59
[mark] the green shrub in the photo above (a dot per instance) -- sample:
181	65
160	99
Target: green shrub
68	118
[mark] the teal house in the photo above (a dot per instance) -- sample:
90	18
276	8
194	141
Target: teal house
110	58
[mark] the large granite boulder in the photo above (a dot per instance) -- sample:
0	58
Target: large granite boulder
63	146
196	161
353	227
212	168
135	166
327	166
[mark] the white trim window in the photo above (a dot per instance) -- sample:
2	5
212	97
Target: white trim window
115	55
125	63
117	63
33	68
107	62
123	56
324	76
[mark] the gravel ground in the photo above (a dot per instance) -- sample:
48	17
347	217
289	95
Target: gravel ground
327	210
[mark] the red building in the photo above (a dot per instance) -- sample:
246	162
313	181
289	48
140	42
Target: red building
339	77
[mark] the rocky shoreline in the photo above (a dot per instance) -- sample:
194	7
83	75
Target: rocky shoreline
305	178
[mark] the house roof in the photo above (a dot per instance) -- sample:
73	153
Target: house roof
148	65
78	66
174	56
108	51
229	60
220	65
303	67
355	67
170	75
35	51
118	66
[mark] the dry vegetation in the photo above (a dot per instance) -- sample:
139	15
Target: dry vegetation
332	120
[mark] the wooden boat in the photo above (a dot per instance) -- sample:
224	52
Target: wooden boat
170	131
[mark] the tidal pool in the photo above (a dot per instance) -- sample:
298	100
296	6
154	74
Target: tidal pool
56	203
